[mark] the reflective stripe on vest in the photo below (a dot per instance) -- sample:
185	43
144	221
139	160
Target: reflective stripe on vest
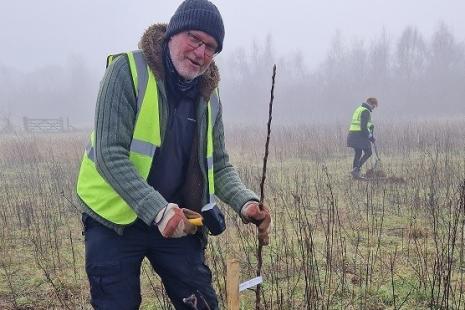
210	172
355	125
93	189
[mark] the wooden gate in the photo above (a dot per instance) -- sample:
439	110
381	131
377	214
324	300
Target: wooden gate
44	124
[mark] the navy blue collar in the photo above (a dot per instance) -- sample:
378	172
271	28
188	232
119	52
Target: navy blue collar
366	105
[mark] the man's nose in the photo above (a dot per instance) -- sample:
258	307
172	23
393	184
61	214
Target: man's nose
200	51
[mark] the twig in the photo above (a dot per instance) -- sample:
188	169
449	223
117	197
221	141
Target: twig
265	158
262	189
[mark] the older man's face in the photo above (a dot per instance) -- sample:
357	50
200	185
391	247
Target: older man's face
192	52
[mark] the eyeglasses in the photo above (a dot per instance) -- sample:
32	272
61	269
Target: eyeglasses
195	42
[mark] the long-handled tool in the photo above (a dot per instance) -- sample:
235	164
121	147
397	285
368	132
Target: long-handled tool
376	172
378	160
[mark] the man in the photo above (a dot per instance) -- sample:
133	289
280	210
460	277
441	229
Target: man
361	134
156	157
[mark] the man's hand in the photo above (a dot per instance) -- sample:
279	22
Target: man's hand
371	138
251	212
193	216
173	223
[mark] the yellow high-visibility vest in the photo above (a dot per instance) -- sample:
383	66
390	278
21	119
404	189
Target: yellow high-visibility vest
93	189
355	125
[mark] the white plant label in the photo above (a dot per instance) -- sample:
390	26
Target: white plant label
248	284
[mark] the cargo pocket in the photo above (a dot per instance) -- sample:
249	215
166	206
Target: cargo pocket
199	269
106	279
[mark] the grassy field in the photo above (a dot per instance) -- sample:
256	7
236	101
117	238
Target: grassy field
392	243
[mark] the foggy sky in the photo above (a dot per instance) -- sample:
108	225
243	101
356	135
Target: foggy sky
37	33
48	39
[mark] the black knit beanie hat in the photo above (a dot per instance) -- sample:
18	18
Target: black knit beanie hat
197	15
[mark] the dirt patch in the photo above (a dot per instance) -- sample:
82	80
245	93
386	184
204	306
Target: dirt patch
394	179
375	173
380	175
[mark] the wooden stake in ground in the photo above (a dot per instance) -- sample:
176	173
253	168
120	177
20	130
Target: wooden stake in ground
262	191
232	284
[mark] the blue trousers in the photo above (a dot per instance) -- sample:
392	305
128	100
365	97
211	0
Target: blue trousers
359	160
113	264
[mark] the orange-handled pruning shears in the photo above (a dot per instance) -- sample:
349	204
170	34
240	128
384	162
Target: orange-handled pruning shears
198	221
193	217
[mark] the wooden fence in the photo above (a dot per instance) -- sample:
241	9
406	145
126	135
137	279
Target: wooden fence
46	125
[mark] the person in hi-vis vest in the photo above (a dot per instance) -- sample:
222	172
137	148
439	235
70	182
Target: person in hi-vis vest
360	134
155	163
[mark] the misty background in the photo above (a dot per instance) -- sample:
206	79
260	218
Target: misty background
330	56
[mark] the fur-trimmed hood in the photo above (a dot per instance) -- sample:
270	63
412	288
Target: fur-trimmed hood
151	46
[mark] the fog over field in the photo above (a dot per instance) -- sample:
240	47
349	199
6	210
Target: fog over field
330	55
388	234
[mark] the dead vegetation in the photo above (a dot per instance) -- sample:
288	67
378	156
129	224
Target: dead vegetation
394	242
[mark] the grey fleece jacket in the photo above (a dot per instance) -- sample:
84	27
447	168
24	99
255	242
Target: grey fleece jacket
115	117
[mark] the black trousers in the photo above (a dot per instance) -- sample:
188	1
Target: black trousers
359	160
113	264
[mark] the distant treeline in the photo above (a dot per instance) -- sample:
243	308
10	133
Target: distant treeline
412	76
